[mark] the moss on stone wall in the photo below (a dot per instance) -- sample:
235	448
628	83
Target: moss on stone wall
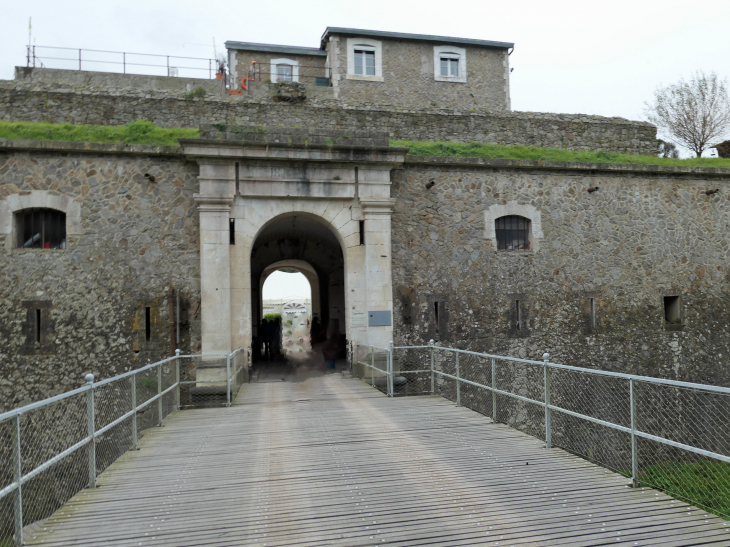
137	132
517	152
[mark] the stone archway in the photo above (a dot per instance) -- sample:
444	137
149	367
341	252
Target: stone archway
304	268
247	187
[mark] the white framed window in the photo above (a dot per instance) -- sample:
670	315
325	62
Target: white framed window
449	64
364	59
284	70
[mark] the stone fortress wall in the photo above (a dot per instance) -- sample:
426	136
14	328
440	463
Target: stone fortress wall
645	233
129	241
35	99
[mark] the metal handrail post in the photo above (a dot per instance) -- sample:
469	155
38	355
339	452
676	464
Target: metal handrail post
390	369
372	366
494	390
134	416
91	428
177	379
79	59
458	386
159	396
548	417
228	380
18	459
634	449
433	379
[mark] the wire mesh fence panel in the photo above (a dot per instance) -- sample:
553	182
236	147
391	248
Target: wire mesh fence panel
146	390
698	480
7	472
445	361
600	444
689	416
112	401
204	382
477	369
606	398
380	373
525	380
411	371
239	372
45	433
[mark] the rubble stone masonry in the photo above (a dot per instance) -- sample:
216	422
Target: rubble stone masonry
135	240
64	103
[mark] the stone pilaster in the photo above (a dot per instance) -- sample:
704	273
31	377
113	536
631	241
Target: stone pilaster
378	264
215	273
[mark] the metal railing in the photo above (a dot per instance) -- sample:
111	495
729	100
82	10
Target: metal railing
37	55
666	434
266	72
52	449
380	363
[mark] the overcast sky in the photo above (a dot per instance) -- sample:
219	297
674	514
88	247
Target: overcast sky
570	56
280	285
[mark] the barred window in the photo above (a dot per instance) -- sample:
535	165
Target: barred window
41	229
513	233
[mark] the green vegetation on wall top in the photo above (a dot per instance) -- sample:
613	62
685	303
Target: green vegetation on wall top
518	152
137	132
146	132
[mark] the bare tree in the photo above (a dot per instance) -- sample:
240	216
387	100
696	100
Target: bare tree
695	114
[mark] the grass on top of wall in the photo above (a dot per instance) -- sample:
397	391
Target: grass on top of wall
145	132
517	152
137	132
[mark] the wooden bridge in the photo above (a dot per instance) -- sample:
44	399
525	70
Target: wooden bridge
331	461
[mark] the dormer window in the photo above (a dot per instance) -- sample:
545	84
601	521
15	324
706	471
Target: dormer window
449	64
364	60
40	229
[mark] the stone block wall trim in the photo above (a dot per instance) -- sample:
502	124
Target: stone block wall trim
498	210
17	145
672	170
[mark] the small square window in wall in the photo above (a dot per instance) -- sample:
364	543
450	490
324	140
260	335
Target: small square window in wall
449	64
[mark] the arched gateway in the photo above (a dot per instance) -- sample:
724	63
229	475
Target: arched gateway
265	202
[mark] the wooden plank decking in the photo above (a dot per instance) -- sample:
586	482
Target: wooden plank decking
331	461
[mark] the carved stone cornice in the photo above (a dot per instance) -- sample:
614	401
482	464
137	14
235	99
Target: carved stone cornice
213	204
377	206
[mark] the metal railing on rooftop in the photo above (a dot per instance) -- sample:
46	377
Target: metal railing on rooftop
97	58
666	434
52	449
